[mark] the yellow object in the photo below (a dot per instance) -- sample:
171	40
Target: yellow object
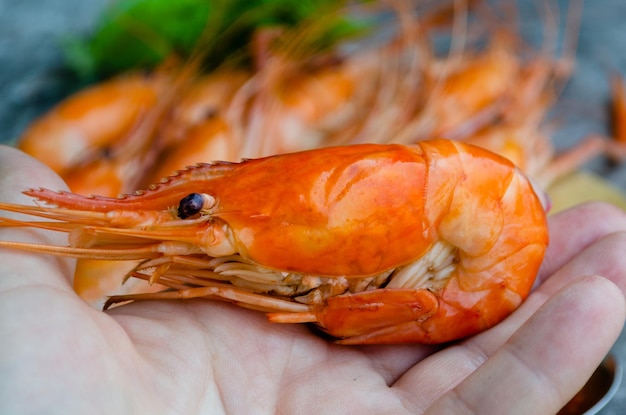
583	187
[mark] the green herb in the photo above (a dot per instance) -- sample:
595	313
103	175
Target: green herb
142	33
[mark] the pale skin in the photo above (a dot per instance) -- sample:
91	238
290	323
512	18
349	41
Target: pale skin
57	355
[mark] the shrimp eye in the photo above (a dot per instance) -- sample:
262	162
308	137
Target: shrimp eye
190	205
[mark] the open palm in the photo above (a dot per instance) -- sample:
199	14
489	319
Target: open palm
57	355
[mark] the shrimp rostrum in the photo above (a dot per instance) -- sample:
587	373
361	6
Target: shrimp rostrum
372	243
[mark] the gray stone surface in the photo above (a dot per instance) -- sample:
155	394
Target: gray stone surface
31	81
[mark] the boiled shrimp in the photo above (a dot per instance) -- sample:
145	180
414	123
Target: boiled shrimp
618	90
371	243
89	123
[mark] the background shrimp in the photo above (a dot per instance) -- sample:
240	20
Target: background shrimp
86	126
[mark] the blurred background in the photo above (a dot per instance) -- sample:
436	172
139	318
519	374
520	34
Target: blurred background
33	79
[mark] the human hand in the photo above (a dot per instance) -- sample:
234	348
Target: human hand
57	355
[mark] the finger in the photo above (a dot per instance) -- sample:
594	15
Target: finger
604	257
549	359
573	230
391	361
19	172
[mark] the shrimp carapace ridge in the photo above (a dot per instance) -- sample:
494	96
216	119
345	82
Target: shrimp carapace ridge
373	243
